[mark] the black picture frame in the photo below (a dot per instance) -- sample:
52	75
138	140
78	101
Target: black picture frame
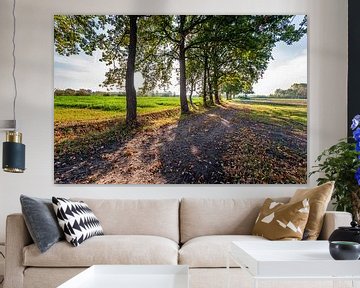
353	62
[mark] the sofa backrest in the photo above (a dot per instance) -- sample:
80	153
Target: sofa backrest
159	217
200	217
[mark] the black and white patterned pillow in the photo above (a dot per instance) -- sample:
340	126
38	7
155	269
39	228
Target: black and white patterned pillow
77	220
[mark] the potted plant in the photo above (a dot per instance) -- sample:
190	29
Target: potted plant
341	163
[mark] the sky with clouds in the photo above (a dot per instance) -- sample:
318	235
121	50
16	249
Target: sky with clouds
288	66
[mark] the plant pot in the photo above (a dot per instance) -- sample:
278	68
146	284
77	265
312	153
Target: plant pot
343	250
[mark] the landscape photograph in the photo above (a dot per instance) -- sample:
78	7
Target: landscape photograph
180	99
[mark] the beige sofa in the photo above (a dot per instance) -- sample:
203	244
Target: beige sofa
194	232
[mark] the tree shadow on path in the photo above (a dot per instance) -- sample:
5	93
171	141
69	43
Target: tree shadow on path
221	145
225	145
194	152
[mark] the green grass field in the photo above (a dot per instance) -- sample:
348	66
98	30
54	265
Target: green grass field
287	100
70	109
98	107
274	110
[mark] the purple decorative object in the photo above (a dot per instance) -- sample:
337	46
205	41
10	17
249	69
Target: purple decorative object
355	122
356	133
357	176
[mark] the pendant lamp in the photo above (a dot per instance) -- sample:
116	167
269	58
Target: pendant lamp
13	159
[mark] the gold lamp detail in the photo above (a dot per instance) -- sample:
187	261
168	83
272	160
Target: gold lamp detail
13	149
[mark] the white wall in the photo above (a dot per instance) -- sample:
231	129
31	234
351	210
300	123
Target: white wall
327	80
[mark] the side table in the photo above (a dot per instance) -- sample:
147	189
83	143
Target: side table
293	264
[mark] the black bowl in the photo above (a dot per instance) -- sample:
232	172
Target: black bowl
344	250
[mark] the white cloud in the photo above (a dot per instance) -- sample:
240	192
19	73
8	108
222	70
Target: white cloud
83	71
79	71
288	66
282	74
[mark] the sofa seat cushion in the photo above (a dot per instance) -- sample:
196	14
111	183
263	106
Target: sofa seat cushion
211	251
107	249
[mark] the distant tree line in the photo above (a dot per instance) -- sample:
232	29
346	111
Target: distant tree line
211	54
73	92
85	92
296	91
89	92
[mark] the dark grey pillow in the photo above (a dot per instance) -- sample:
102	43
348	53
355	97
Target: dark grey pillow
41	221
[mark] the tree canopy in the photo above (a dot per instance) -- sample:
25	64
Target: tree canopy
297	90
210	54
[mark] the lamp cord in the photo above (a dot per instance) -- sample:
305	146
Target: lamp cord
14	61
2	280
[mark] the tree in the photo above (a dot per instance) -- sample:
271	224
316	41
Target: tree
193	75
59	92
119	49
238	45
173	36
130	72
300	89
224	46
75	33
297	90
156	54
183	31
233	85
69	92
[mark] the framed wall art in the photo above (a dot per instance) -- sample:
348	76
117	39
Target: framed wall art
180	99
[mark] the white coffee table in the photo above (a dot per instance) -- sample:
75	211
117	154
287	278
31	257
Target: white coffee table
292	260
131	276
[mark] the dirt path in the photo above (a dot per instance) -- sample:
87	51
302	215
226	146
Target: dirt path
221	145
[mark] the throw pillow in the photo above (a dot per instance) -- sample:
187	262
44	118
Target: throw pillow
41	222
279	221
319	198
77	220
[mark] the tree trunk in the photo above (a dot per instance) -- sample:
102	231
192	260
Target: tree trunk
205	80
216	79
130	71
227	96
183	99
211	98
191	93
216	90
216	94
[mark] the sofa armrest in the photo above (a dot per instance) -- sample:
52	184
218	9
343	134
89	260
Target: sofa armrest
333	220
17	237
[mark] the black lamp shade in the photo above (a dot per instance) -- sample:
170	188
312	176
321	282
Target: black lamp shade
13	157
